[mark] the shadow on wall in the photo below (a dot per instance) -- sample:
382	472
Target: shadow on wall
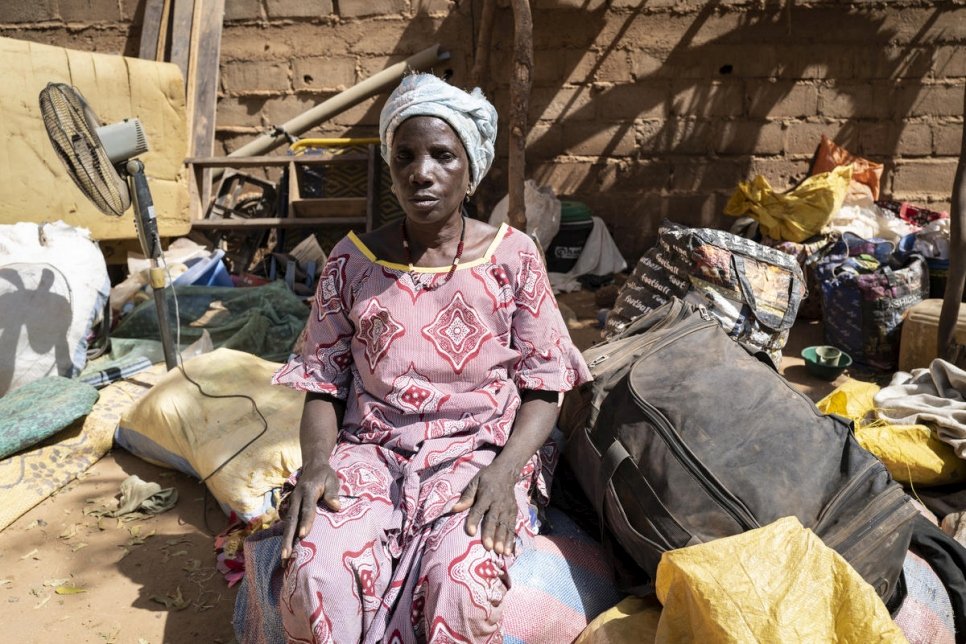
645	111
693	122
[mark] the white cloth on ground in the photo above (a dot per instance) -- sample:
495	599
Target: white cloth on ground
600	256
53	286
935	397
542	212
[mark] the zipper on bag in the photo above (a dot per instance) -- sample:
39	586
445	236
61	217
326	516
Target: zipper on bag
842	495
868	519
637	347
616	350
713	488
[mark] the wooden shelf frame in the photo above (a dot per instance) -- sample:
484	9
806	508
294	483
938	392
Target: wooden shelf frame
301	212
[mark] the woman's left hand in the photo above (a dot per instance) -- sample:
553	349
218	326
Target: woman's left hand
490	498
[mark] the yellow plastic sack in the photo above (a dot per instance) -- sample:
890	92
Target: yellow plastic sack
795	215
174	425
633	621
911	453
779	583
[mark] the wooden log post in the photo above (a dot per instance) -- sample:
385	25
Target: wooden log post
948	348
481	57
520	84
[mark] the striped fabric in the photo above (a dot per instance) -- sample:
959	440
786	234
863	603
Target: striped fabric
558	587
564	579
926	616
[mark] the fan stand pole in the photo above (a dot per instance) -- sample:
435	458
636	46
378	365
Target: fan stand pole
147	227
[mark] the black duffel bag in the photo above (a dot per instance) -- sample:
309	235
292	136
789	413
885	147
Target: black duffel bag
685	437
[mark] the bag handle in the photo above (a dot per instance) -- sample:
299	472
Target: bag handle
890	277
738	266
614	455
645	321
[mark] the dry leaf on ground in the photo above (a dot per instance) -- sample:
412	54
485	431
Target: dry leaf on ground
171	601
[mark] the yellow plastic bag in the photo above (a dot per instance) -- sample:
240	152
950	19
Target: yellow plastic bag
633	621
795	215
779	583
174	425
911	453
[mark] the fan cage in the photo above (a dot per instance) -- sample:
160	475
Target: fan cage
71	126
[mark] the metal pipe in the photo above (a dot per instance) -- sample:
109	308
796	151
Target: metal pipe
147	227
342	101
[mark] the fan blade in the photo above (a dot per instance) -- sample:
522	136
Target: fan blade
71	126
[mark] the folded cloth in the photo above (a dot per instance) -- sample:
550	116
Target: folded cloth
40	409
935	396
144	496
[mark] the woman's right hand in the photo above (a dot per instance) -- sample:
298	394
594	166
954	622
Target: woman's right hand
315	482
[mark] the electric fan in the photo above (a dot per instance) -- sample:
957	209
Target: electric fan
100	160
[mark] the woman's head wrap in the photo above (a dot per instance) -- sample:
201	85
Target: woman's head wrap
470	115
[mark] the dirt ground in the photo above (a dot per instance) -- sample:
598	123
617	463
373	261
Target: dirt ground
65	576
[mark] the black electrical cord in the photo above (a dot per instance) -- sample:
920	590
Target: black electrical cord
261	416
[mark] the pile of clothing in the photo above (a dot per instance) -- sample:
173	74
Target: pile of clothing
866	260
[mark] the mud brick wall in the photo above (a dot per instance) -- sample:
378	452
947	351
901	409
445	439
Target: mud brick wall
644	109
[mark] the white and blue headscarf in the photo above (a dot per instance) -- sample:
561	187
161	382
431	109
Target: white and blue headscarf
470	115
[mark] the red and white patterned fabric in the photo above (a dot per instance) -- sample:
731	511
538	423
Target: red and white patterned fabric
432	383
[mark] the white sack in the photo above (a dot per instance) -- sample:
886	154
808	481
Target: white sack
53	287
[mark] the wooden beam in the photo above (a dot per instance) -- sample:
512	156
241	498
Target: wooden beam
949	350
202	86
481	58
150	29
181	16
160	52
275	222
520	84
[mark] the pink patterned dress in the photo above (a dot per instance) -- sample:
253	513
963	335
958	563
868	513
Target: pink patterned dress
431	380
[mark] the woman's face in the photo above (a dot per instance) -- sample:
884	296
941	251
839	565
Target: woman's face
429	168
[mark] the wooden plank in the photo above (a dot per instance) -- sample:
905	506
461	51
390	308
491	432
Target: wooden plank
161	53
203	77
191	73
150	29
328	207
271	161
274	222
372	186
202	88
294	194
181	16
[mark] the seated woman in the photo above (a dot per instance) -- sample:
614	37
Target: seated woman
434	360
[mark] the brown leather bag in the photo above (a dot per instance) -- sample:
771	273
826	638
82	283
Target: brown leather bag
685	437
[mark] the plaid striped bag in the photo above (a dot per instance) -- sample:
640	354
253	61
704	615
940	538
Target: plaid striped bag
865	292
